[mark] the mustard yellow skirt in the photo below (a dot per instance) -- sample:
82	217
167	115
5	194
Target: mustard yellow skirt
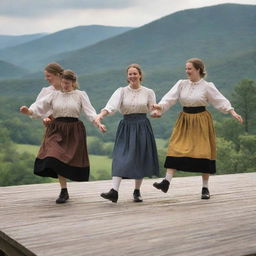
192	145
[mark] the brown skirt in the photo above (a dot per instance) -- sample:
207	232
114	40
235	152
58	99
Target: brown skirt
64	151
192	144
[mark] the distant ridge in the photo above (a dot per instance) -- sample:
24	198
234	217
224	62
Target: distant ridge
32	54
227	45
224	74
10	71
211	33
13	40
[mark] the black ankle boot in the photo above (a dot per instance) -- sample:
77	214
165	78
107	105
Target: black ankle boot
112	195
205	193
137	196
63	197
163	185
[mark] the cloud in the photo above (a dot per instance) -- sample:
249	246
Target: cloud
37	16
30	8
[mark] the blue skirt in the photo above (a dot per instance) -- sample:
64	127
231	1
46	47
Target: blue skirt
135	153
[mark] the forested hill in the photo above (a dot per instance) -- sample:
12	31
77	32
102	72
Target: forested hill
100	86
212	33
32	54
227	45
13	40
8	70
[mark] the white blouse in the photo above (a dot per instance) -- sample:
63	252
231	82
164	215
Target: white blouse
195	94
43	93
64	104
130	101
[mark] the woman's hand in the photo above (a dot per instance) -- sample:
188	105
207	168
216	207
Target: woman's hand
25	110
102	128
155	114
98	118
236	116
47	120
156	111
157	107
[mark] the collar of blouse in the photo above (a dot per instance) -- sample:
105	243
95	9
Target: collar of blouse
134	89
197	82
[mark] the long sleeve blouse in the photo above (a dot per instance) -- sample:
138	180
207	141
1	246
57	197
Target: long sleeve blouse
127	100
64	104
44	93
194	94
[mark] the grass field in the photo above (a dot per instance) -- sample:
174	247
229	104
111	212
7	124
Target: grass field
161	143
31	149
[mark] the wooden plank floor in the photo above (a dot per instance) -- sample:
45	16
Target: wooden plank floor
176	223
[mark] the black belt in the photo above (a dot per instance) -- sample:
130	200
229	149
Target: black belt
67	119
135	116
194	110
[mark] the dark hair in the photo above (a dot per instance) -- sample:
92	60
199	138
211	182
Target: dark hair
198	65
137	66
70	75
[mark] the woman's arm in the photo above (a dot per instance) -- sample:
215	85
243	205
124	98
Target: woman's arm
90	112
236	116
169	99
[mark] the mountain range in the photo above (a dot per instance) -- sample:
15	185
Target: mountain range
212	33
8	70
32	54
7	41
222	35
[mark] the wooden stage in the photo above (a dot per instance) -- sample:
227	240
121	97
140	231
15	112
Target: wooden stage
176	223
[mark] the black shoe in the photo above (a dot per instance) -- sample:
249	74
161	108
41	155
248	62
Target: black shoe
163	185
112	195
137	196
63	197
205	193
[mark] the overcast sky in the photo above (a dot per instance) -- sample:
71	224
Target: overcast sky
19	17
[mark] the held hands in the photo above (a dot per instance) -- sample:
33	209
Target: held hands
236	116
155	114
156	111
157	107
102	128
25	110
98	118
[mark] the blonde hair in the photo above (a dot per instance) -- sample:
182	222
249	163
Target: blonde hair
54	68
137	66
198	65
70	75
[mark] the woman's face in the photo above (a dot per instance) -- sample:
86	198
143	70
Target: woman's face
192	73
133	75
51	78
67	85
